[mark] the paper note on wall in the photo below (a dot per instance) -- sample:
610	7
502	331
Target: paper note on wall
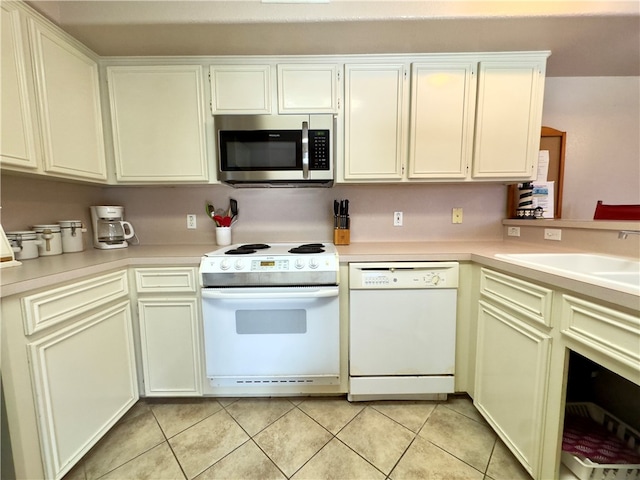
543	166
544	197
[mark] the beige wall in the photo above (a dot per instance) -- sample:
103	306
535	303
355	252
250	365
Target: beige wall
600	115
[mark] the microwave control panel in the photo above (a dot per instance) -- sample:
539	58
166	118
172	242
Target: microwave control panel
319	149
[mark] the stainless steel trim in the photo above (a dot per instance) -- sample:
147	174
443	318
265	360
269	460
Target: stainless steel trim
305	150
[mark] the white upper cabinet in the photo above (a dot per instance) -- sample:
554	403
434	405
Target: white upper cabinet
68	99
508	118
442	119
158	123
376	106
305	88
17	144
472	117
240	89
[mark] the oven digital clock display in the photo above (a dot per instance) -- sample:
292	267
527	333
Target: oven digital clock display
269	265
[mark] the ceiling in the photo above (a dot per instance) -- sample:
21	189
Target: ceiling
586	38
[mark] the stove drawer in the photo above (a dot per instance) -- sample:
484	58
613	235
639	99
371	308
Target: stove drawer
166	280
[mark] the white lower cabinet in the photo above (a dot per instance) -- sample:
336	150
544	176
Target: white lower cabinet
512	364
68	370
85	381
170	331
169	335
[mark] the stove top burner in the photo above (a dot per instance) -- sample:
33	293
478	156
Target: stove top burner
308	248
247	249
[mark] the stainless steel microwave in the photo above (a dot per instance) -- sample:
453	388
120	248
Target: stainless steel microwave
275	150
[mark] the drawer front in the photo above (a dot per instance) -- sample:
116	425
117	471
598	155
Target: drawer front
525	298
46	309
614	333
166	280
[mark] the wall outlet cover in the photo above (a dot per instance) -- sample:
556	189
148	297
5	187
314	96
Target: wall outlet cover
553	234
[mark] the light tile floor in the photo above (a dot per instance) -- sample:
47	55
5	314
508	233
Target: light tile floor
300	438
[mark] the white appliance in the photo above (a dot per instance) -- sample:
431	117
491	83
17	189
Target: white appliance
402	329
271	315
109	228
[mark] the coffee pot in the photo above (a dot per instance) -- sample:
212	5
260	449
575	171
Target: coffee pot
109	228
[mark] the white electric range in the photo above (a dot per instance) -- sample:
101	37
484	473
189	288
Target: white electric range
271	316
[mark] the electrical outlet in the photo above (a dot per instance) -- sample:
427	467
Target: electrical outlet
191	221
456	215
553	234
513	231
397	219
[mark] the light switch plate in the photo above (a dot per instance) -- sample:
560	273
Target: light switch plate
513	231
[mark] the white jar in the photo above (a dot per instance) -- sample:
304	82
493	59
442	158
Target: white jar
51	239
24	244
71	231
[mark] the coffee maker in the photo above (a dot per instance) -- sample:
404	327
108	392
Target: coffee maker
109	228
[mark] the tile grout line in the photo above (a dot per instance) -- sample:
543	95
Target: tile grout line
166	439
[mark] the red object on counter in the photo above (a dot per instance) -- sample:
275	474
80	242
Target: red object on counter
616	212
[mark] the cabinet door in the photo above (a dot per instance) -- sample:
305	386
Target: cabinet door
442	119
376	103
171	352
508	119
158	123
69	106
17	147
240	89
512	368
85	381
308	88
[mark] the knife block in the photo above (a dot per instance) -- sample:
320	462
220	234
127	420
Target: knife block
341	236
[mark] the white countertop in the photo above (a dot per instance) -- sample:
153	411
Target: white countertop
47	271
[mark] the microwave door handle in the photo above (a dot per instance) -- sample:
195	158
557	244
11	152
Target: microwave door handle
305	150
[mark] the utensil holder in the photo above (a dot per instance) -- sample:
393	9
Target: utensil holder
223	236
341	236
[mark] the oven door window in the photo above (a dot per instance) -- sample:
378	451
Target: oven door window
260	150
260	322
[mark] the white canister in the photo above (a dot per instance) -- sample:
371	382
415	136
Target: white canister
51	239
72	231
24	243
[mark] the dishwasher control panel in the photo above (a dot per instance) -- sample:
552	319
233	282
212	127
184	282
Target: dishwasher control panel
403	275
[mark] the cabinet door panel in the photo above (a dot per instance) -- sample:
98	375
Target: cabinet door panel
375	106
241	89
508	119
512	369
85	381
304	88
442	119
16	142
69	101
170	336
157	116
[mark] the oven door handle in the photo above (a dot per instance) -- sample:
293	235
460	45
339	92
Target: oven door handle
269	295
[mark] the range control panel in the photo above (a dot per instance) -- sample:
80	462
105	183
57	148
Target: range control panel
403	275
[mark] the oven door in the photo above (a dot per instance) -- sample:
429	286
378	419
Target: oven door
271	336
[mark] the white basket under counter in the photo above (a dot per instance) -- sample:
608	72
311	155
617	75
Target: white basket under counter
586	469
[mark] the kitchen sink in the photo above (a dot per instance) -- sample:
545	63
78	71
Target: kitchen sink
613	272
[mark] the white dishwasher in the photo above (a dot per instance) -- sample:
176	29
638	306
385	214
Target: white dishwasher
402	330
